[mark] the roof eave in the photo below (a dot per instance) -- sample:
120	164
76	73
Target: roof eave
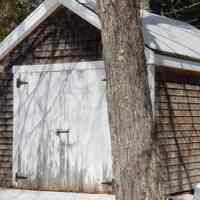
45	10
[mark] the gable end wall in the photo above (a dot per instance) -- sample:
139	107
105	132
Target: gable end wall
62	37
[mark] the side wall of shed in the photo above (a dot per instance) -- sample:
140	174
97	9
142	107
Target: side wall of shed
63	37
177	112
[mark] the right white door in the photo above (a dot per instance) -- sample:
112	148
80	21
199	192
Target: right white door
89	139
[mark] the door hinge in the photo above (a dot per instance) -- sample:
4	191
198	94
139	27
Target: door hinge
108	182
20	177
20	83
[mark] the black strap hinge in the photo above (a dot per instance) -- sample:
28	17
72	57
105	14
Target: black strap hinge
20	83
108	182
20	177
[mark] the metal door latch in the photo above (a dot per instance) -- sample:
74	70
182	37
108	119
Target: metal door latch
20	177
59	131
20	83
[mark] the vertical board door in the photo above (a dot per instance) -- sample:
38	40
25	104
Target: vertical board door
61	131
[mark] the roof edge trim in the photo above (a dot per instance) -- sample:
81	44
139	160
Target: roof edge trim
27	26
173	55
83	12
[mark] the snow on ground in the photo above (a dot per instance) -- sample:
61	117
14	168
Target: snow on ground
182	197
11	194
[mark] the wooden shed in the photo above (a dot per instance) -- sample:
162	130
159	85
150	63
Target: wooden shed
54	131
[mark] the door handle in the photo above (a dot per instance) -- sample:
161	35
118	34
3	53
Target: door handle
60	131
19	176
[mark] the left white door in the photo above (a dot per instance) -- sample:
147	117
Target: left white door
41	113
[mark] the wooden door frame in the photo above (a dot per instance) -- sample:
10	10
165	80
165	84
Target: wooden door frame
58	67
17	69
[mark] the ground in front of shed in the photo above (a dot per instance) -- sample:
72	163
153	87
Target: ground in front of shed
12	194
182	197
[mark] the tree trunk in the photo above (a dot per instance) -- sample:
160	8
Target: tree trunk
135	170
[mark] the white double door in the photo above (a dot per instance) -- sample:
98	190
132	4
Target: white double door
61	134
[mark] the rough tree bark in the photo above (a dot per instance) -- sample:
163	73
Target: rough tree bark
136	172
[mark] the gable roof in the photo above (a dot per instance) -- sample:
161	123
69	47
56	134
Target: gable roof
160	33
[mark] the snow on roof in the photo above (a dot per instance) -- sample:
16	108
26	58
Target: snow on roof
171	36
160	33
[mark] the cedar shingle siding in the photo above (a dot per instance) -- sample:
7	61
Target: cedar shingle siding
178	127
